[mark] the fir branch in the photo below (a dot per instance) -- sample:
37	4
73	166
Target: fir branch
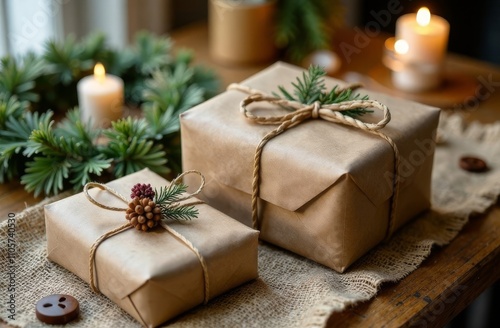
131	149
43	140
161	122
30	140
181	213
168	89
18	78
179	89
152	53
14	139
15	136
170	194
64	59
70	146
308	89
72	128
311	87
169	93
46	175
165	197
10	106
93	48
83	171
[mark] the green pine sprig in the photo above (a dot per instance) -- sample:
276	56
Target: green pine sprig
165	197
18	76
311	88
131	149
49	155
14	139
61	155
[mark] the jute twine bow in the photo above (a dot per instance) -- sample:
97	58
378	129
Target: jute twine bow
301	113
127	226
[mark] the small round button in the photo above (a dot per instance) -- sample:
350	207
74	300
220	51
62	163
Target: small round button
473	164
57	309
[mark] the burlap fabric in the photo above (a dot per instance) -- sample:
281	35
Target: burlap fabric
291	291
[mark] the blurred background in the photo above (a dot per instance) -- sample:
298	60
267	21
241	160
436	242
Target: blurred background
26	24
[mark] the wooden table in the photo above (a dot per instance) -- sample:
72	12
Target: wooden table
453	276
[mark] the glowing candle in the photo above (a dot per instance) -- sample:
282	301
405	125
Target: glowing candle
401	47
100	97
426	37
426	34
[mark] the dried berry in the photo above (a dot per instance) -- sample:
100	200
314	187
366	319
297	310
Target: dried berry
141	191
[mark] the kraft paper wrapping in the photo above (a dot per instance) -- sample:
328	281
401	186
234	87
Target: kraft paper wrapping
325	188
153	276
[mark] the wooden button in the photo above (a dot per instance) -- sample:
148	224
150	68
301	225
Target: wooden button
57	309
473	164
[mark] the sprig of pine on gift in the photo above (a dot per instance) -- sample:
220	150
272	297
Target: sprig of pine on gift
49	157
148	207
311	88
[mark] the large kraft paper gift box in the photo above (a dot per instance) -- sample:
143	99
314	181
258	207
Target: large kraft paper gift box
325	188
151	275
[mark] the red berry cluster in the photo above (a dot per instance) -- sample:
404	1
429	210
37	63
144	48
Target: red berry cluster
142	190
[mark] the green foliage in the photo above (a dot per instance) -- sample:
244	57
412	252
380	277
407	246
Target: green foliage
64	60
131	149
49	155
169	93
311	88
45	174
17	77
305	25
152	53
10	106
167	197
65	153
14	139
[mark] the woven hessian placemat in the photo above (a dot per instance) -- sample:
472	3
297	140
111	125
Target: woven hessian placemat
291	291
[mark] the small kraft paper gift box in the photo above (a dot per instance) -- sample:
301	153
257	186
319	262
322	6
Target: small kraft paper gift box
315	182
153	275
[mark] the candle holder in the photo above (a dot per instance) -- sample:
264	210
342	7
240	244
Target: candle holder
411	76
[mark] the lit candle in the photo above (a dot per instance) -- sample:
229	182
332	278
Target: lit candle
426	34
426	38
100	97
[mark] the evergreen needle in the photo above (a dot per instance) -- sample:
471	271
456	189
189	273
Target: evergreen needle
311	88
166	199
48	157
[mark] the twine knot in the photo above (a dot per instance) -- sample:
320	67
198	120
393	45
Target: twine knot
315	110
302	112
128	225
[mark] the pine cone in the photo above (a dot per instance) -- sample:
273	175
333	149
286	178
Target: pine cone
143	213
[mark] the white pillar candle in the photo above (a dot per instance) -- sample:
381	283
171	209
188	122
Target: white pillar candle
427	38
100	97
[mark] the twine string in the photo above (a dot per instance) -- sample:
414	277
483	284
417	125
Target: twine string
302	112
108	189
95	245
178	180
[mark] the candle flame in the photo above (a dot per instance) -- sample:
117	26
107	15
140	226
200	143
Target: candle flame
423	16
99	72
401	46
